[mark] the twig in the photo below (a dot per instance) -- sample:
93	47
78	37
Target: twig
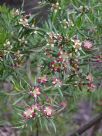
88	125
37	130
95	129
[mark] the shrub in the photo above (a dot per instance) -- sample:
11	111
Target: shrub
48	66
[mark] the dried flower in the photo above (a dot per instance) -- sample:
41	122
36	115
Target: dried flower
8	45
54	38
51	39
62	56
59	38
17	12
89	77
24	21
22	40
55	66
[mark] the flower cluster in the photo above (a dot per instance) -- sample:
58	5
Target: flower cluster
63	62
16	54
55	66
77	44
18	59
7	46
24	21
87	45
48	111
35	92
42	79
31	111
22	40
55	7
16	12
62	55
39	109
54	38
34	110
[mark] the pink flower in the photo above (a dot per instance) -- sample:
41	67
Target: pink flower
36	92
91	87
30	112
63	104
99	58
60	59
57	82
48	111
87	45
42	80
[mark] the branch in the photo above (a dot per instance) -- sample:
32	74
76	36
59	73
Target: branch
95	129
87	125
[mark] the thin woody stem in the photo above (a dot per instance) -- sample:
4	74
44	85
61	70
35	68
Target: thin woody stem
88	125
37	130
